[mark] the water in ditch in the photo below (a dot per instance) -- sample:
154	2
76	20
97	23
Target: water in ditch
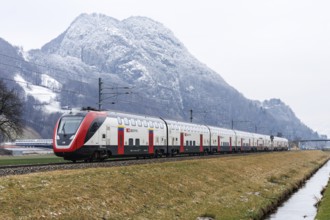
301	204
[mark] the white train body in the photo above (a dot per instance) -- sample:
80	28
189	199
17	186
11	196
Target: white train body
99	135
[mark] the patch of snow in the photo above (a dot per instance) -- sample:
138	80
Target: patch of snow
190	88
135	65
42	94
50	82
24	54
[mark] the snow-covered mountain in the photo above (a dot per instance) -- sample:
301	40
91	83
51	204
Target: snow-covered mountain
163	78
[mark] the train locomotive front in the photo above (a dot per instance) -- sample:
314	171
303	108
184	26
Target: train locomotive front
73	131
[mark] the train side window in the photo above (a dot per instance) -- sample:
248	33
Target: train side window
161	126
191	143
156	125
151	125
194	143
120	122
137	142
130	142
145	123
187	143
133	122
126	121
139	123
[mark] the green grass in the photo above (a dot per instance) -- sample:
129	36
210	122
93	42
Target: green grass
323	212
29	159
239	187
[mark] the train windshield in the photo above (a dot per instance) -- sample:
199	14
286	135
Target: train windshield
69	124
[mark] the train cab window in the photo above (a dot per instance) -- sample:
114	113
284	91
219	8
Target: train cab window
139	123
126	121
145	123
120	122
133	122
94	127
130	141
137	142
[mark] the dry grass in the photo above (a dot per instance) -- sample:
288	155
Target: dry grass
223	188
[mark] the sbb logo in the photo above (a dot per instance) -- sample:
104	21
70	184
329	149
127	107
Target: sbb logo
131	130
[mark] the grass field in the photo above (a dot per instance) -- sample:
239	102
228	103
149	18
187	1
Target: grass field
241	187
29	159
323	212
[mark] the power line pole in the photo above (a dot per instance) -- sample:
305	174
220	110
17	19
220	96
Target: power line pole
100	94
191	115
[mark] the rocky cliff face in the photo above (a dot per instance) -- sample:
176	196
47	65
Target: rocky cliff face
163	78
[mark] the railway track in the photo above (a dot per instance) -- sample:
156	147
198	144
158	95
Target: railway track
35	168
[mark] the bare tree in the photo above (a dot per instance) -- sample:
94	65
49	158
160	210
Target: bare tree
10	113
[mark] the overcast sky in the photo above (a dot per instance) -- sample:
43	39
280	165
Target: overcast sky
264	48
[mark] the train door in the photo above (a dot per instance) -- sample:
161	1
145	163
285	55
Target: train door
201	143
121	140
181	142
151	142
107	136
230	145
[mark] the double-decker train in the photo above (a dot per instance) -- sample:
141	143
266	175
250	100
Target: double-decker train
97	135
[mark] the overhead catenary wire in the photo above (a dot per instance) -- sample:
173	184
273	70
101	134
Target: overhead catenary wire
52	68
136	91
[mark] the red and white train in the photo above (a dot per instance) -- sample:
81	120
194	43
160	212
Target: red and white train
97	135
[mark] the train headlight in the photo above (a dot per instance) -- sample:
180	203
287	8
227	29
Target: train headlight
57	137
